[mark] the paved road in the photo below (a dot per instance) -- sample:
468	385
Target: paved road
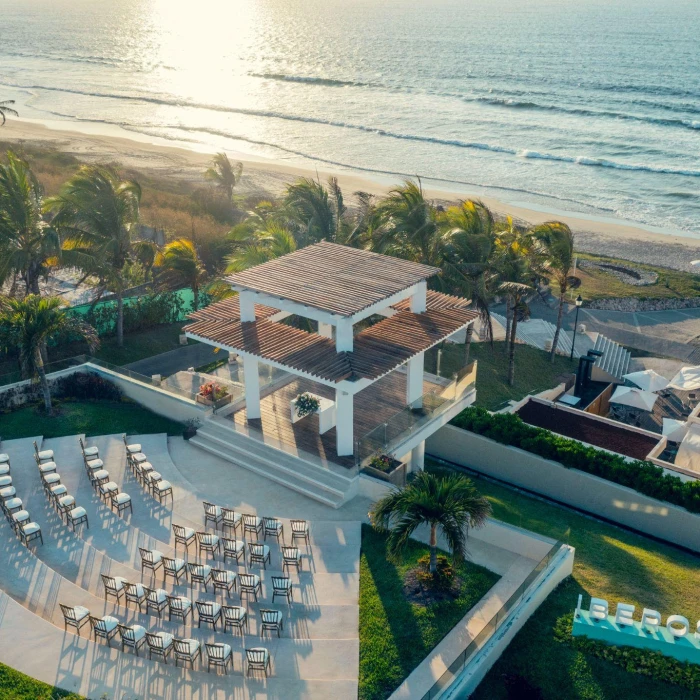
168	363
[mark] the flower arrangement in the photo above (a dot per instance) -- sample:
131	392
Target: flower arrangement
306	404
382	463
213	391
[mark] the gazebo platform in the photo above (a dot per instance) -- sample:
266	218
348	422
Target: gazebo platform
375	405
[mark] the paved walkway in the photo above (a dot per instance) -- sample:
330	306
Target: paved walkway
167	363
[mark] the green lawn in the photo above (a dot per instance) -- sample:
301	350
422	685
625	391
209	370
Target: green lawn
396	635
89	417
16	686
610	563
597	284
136	347
533	371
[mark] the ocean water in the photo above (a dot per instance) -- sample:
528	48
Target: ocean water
587	106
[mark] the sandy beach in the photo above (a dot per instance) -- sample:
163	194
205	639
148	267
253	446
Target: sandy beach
91	144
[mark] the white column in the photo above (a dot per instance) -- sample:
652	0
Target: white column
247	306
251	381
345	440
343	335
325	329
418	457
419	299
414	381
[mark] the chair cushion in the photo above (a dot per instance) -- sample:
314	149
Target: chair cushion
234	545
163	485
8	492
100	474
47	467
153	476
138	632
134	449
187	532
80	612
253	520
95	464
156	555
119	582
226	648
52	478
46	454
5	481
158	595
122	498
178	564
13	503
192	645
4	469
183	602
66	501
215	510
20	516
229	518
91	451
78	512
4	458
139	457
166	637
253	579
145	466
235	612
110	623
259	550
109	487
30	528
209	539
136	590
276	526
229	576
212	609
59	489
262	650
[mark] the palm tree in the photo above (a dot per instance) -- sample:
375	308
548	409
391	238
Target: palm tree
225	174
315	213
30	323
448	503
28	245
266	244
96	212
558	242
468	266
410	226
145	253
5	109
181	266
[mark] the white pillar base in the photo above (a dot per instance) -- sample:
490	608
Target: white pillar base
251	381
325	329
345	440
418	457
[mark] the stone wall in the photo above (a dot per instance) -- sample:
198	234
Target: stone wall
636	304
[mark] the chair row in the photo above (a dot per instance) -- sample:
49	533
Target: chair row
106	489
162	644
145	474
20	522
249	584
253	524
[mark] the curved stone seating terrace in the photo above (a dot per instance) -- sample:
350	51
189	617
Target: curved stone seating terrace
316	655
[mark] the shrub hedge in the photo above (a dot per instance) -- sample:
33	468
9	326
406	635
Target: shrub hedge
640	475
643	661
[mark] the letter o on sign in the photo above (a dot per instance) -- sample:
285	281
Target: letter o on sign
677	620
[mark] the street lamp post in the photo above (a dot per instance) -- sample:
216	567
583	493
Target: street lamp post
579	301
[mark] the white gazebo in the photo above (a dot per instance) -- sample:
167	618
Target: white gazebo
366	378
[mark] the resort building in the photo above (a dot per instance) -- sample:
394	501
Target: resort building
350	329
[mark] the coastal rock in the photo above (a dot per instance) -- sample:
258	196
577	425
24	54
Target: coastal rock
635	304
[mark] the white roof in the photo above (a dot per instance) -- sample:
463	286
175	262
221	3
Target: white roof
648	379
687	379
688	455
636	398
674	430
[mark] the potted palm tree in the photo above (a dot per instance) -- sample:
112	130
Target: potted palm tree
447	504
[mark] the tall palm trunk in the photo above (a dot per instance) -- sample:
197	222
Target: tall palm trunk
468	343
508	317
511	349
120	318
44	382
433	549
195	291
560	316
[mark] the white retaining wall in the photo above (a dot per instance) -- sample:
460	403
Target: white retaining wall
570	486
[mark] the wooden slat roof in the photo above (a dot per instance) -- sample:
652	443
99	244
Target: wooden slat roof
333	278
229	310
376	350
436	301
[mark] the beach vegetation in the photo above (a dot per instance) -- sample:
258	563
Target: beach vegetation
29	323
225	175
179	265
5	109
29	246
96	213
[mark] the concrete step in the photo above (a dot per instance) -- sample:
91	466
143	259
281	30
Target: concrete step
302	480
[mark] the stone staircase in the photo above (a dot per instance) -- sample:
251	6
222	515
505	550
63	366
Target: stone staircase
615	359
219	437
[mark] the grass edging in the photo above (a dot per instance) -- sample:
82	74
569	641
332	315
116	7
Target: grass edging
640	475
15	685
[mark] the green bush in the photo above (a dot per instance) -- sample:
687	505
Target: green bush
640	475
643	661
